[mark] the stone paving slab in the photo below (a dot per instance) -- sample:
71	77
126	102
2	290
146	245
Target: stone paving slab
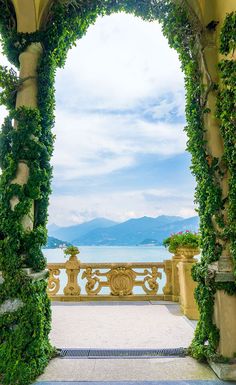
121	327
157	369
182	382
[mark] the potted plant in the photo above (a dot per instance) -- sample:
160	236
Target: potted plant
72	251
184	243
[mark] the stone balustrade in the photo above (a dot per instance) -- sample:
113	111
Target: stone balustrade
87	281
169	280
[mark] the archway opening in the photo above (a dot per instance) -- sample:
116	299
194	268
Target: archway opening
120	155
24	204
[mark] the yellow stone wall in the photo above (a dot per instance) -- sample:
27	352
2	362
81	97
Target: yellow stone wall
208	10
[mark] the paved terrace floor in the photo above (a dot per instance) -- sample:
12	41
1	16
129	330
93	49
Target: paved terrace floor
123	325
120	325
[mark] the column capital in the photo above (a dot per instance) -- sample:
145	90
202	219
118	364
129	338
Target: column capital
30	14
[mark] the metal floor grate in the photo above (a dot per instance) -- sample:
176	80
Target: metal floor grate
121	353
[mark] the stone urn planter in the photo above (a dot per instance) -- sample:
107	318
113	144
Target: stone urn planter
72	252
177	254
188	253
184	245
72	271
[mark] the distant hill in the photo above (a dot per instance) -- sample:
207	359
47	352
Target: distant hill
149	242
77	231
54	243
139	231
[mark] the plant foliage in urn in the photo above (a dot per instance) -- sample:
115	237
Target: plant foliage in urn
71	250
182	239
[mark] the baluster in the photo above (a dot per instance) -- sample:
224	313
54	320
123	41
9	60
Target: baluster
167	290
53	282
151	280
175	276
72	270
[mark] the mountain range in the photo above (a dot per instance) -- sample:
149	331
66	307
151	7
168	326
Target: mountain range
72	233
140	231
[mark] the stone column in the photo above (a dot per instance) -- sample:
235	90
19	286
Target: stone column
208	11
225	318
27	97
215	145
175	277
225	305
187	284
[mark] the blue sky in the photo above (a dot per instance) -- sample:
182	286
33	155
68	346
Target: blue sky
120	147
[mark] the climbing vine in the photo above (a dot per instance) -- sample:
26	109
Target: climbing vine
226	112
207	335
24	344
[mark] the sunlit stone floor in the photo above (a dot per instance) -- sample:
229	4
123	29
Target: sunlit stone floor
123	325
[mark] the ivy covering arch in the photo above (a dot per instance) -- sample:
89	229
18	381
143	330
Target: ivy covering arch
24	345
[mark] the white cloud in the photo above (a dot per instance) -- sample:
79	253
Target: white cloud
121	61
4	62
3	59
166	107
100	144
119	65
3	114
118	206
114	100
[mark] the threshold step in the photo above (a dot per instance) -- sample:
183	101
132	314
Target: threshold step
186	382
121	353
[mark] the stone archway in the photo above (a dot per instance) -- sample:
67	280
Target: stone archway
37	36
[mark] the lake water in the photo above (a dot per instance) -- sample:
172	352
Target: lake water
111	254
